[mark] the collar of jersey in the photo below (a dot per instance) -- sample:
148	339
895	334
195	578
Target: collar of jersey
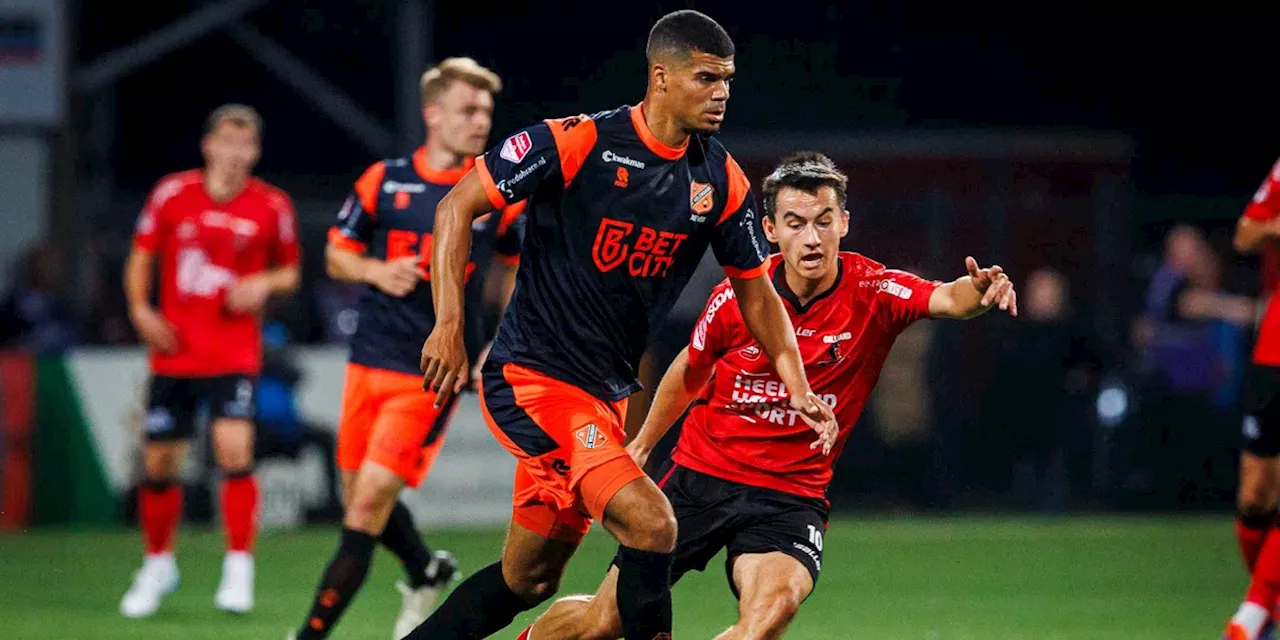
651	141
784	289
445	177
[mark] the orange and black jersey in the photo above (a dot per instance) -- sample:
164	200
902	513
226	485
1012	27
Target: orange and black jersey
616	225
390	215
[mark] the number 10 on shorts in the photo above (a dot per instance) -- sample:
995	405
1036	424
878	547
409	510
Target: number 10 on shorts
815	537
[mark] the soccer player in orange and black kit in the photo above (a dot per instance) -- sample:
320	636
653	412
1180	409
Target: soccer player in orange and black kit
621	207
743	477
390	432
1259	231
225	241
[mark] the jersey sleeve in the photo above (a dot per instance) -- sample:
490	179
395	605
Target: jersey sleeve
714	334
1266	201
511	233
552	150
153	223
907	296
285	250
739	243
357	219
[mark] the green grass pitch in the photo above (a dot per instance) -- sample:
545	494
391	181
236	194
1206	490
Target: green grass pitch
961	578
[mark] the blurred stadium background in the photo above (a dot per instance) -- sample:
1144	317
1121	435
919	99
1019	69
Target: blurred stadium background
1069	474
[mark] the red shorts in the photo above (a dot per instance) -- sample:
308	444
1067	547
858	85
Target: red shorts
387	418
569	447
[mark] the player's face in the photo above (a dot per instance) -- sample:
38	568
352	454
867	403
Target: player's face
807	227
698	88
231	148
460	119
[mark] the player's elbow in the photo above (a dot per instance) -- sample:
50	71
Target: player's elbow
290	278
1242	243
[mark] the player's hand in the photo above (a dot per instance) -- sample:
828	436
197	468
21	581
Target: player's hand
154	330
820	418
444	363
249	294
397	277
638	452
994	285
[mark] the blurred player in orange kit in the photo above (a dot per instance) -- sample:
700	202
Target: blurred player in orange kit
223	242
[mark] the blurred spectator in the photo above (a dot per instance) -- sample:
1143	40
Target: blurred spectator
107	307
1038	405
1191	338
36	314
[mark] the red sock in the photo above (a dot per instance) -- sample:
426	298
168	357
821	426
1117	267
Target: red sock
1251	540
240	510
159	510
1265	585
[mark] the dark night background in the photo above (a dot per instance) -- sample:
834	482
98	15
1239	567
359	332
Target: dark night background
1190	83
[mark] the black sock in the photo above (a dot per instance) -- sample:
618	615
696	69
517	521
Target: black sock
1256	519
341	580
403	539
479	607
644	594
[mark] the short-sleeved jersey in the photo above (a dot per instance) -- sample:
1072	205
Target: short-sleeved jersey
390	215
742	427
1264	207
203	248
617	223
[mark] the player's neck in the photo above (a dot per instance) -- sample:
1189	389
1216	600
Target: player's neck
662	124
223	187
442	159
806	289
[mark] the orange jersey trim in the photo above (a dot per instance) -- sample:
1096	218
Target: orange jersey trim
439	176
747	274
739	186
337	239
651	141
368	186
490	187
575	137
510	215
508	260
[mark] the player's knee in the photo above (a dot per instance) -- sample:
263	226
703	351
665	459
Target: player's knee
1255	498
651	527
537	584
371	503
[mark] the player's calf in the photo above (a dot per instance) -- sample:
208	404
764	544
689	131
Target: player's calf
771	588
582	617
641	519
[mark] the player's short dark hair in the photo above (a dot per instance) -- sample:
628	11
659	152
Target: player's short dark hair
241	115
680	33
808	171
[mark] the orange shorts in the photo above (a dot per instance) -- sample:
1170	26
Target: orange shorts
387	418
569	447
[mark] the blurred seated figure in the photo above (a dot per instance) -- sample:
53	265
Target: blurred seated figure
35	314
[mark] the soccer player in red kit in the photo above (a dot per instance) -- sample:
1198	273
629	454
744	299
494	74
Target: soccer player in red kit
743	475
622	205
223	241
390	431
1257	232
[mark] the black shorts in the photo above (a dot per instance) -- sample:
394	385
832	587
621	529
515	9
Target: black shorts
1261	428
714	514
174	403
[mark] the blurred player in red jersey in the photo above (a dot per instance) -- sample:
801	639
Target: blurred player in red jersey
390	431
1257	232
743	476
223	241
621	207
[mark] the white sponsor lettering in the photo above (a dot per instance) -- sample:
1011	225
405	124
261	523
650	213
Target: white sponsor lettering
894	289
767	398
515	148
840	337
391	186
198	277
505	186
609	156
804	333
700	332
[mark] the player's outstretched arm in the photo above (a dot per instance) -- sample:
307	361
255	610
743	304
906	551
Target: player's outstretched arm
972	295
679	386
444	358
767	320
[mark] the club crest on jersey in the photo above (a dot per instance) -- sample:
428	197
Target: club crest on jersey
516	147
591	436
751	353
701	197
